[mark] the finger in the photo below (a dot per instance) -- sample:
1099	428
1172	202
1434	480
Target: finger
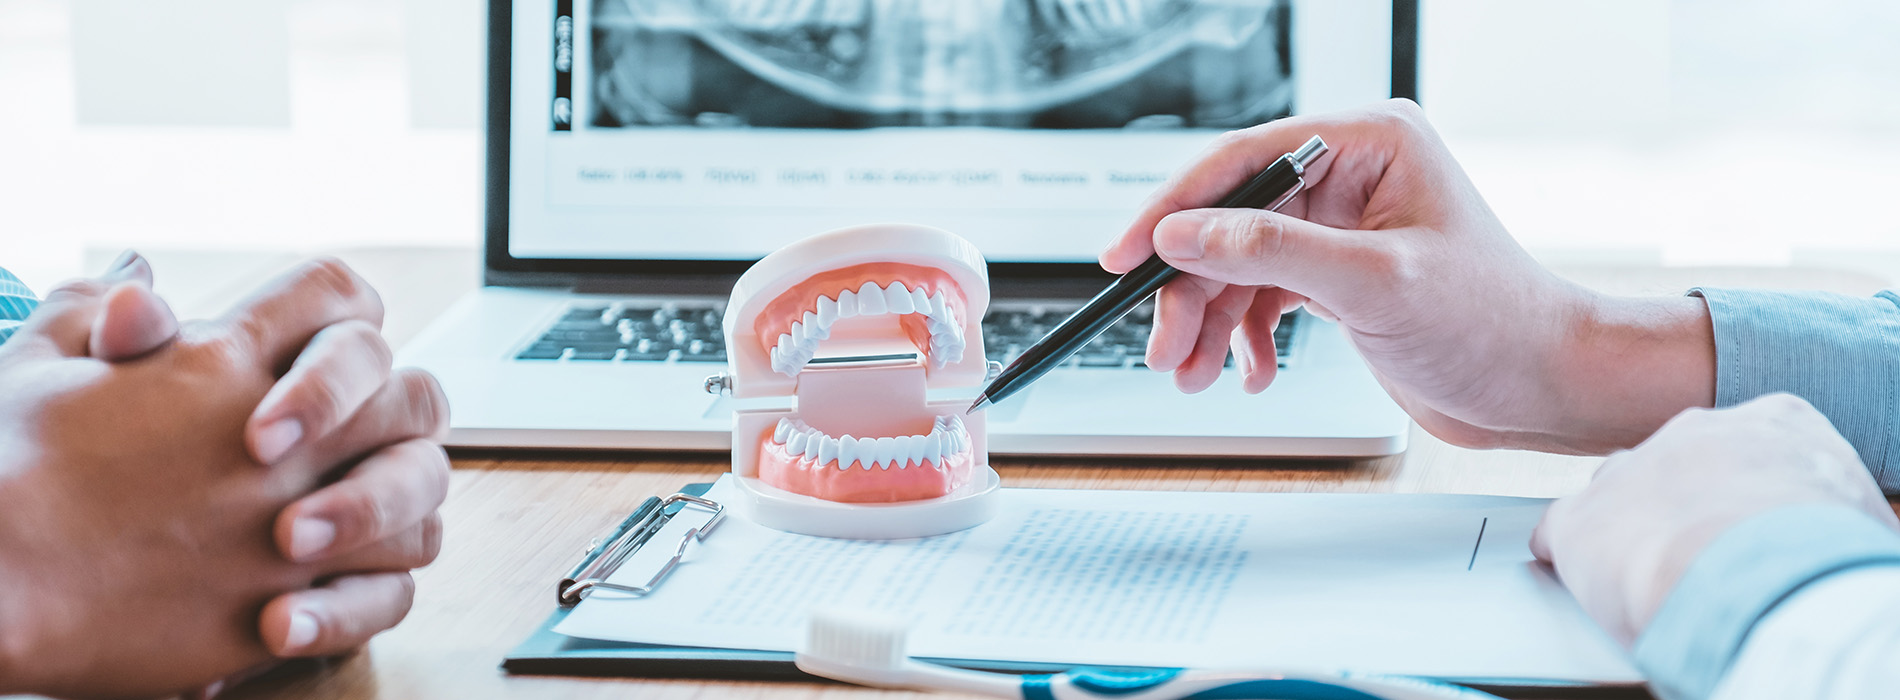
1541	535
392	491
336	617
1254	346
1231	160
128	267
340	369
1258	248
414	548
1209	357
1179	307
280	319
132	321
218	688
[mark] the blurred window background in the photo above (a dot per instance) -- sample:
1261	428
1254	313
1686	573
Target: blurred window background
1647	131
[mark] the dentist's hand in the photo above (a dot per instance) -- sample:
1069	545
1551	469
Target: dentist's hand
1479	343
1621	545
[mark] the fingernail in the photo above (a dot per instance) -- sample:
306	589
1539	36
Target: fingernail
277	438
310	536
124	260
212	691
1183	235
303	631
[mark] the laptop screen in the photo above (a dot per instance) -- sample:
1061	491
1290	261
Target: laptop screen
724	129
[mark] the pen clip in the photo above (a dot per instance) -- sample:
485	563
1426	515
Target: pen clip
1297	161
1291	193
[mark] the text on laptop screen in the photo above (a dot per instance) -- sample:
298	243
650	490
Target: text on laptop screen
724	129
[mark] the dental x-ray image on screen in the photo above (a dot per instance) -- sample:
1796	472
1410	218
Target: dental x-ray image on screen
1041	64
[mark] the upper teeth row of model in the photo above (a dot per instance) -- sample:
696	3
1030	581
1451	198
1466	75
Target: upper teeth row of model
797	346
947	438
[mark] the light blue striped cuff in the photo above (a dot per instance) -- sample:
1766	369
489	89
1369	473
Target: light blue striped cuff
1740	578
16	302
1840	353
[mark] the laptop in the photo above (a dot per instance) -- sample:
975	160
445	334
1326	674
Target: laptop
641	154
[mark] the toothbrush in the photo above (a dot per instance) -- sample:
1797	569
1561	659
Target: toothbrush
870	650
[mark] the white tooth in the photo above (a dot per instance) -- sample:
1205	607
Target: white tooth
777	364
920	300
814	329
798	333
796	445
847	304
914	449
897	297
847	451
871	300
783	430
937	305
827	450
887	451
902	457
827	313
933	447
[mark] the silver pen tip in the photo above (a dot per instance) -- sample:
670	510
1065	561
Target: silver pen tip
978	405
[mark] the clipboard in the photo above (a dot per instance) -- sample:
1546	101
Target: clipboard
546	652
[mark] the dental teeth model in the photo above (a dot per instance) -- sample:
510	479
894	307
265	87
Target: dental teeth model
860	327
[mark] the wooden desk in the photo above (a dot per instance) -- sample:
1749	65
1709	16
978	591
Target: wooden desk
514	521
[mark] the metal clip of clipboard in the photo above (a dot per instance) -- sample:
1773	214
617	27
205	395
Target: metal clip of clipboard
606	556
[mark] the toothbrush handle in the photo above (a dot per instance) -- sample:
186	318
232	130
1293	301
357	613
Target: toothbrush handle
1178	684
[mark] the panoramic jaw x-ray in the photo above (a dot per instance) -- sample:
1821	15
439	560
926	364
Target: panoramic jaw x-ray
860	327
1063	64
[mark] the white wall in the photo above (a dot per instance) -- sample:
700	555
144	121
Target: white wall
1675	130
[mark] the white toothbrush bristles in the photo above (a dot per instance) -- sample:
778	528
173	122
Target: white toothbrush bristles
856	637
869	648
855	646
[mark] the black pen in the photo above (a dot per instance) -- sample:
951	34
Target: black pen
1268	190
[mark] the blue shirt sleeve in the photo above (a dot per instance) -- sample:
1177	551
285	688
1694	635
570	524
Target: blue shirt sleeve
16	301
1740	578
1840	353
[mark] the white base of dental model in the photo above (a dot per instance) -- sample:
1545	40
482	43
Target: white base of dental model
969	506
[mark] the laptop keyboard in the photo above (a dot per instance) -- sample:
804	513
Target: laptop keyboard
691	332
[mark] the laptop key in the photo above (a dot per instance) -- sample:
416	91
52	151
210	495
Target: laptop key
541	354
594	354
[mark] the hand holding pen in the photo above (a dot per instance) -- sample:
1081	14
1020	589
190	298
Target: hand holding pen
1475	339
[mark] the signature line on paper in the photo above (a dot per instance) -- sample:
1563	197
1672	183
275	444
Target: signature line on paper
1477	544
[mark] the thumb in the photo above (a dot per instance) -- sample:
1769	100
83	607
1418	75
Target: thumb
63	323
1255	247
132	321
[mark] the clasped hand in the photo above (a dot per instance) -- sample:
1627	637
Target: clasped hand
161	484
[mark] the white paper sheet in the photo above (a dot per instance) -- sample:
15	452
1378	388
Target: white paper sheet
1373	583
